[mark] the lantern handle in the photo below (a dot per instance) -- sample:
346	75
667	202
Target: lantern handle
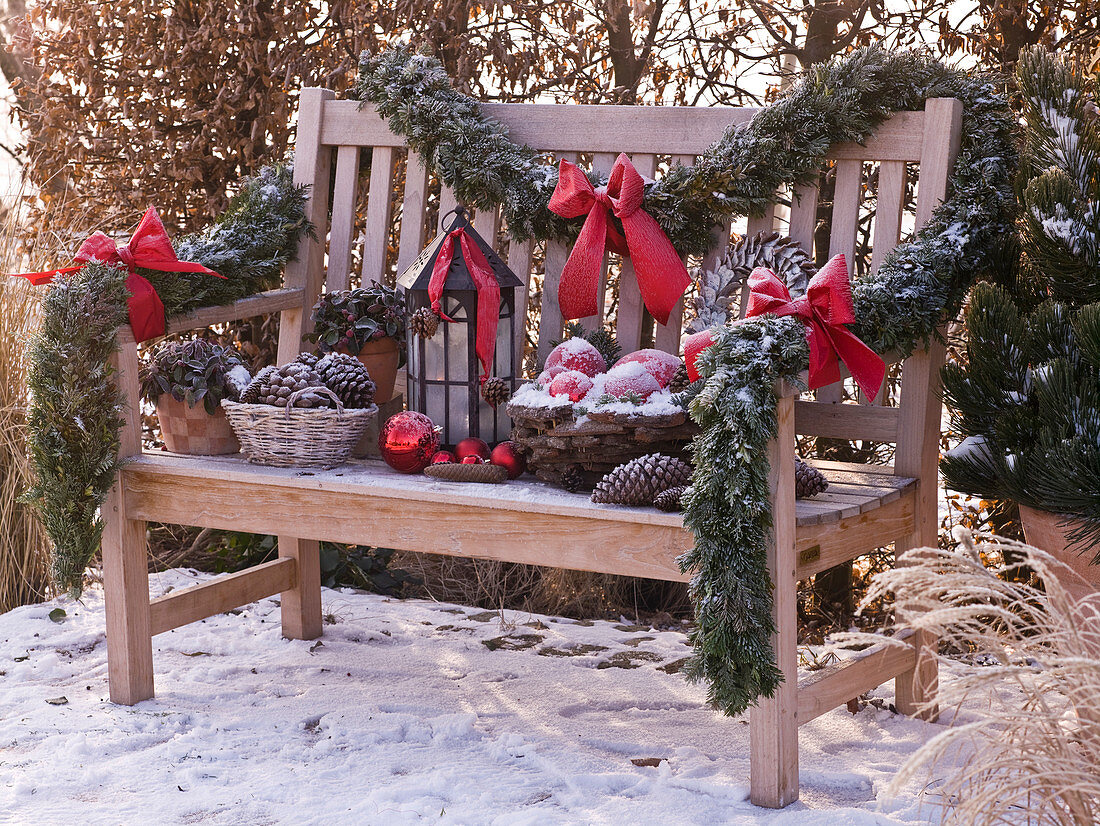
459	212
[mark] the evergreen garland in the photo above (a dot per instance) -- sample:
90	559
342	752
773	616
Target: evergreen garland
75	413
919	284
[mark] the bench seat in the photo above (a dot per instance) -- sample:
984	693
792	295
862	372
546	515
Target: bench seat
366	502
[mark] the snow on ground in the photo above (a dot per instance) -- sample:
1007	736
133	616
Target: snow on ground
405	712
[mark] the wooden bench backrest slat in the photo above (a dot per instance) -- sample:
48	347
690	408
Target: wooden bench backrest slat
376	232
413	205
344	193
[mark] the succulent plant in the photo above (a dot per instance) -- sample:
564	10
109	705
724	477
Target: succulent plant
194	371
348	319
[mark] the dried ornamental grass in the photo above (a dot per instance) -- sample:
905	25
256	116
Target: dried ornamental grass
1029	710
24	560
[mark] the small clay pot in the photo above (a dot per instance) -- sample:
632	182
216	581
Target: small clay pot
380	357
193	431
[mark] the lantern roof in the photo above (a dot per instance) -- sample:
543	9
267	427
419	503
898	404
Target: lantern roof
419	273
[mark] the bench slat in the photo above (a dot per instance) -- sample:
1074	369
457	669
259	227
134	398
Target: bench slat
379	202
344	193
412	239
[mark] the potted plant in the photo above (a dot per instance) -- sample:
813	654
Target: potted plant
369	323
187	380
1027	397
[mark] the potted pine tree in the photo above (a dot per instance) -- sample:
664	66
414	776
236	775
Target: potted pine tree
1027	396
187	381
369	323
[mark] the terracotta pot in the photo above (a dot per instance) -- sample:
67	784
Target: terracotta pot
1042	529
380	357
193	431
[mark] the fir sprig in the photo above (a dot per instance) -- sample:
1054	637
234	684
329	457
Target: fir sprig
75	414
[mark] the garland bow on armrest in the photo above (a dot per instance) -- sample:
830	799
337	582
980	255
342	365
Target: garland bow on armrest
825	310
662	276
148	248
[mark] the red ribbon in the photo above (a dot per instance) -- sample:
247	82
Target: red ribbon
825	309
488	293
662	276
149	248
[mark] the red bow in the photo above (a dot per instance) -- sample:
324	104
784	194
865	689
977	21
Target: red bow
488	292
662	276
149	248
825	309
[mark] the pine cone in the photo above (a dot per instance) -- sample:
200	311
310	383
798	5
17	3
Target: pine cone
669	500
308	359
496	391
276	386
424	322
719	288
680	380
640	480
572	478
346	376
251	394
808	480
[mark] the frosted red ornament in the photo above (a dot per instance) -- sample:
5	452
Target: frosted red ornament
571	383
547	375
631	377
659	364
577	354
472	446
408	441
443	457
472	459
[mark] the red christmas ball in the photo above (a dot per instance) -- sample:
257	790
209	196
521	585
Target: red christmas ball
472	459
472	446
508	456
443	457
407	441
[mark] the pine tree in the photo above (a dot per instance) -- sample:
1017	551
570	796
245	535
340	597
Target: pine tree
1028	396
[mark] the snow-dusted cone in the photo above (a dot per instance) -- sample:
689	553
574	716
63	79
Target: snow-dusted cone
347	377
640	480
670	500
274	386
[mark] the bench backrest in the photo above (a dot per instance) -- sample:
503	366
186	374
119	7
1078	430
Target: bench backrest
397	222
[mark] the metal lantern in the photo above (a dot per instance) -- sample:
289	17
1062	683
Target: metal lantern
444	370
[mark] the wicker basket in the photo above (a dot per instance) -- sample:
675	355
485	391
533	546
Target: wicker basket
298	436
552	440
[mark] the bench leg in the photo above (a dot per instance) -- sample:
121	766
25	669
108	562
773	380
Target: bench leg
301	607
126	598
915	690
773	723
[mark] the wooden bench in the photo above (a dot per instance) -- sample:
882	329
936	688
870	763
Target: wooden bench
365	502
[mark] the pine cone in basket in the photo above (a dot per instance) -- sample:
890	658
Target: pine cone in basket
669	500
640	480
496	391
251	394
308	359
424	322
808	480
347	377
278	385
